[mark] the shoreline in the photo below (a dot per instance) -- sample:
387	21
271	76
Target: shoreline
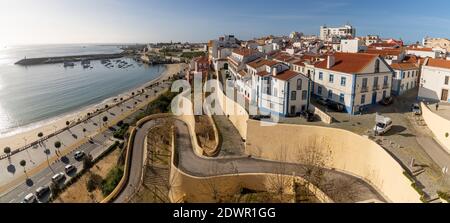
19	136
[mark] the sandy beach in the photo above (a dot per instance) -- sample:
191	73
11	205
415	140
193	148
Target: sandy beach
27	136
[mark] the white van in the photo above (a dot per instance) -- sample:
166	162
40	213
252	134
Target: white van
58	177
382	125
30	198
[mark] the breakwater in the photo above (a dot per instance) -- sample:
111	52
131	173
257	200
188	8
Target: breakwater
62	59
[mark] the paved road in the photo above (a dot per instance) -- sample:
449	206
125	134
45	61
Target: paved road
190	163
37	156
100	144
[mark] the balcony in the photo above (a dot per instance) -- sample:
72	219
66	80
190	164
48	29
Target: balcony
364	89
376	87
386	86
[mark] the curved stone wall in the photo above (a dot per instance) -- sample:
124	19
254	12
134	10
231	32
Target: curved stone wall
438	125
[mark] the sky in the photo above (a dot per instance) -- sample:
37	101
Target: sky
144	21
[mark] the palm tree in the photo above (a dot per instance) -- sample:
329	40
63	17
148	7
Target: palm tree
67	123
105	119
84	132
106	106
40	134
23	163
7	150
57	144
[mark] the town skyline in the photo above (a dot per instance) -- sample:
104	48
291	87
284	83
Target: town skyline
144	22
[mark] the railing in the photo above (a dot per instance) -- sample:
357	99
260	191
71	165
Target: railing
364	89
385	86
376	87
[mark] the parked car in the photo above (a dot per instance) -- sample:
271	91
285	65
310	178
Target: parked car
336	106
387	101
69	168
30	198
415	108
58	177
382	125
322	101
41	191
308	116
78	155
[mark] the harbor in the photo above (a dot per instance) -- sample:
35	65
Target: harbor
68	60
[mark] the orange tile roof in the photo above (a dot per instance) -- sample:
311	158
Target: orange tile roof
438	63
384	52
385	45
348	62
420	49
286	75
261	62
244	51
404	66
262	73
242	73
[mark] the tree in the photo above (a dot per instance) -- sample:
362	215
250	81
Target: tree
7	150
57	144
88	162
67	123
23	163
133	93
84	132
279	181
54	188
105	119
94	182
40	134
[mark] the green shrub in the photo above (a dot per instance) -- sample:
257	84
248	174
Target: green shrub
94	182
120	133
444	195
112	180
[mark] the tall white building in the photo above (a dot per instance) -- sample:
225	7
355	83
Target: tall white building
346	31
435	80
354	80
406	75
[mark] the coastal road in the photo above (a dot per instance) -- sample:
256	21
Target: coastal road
100	144
72	140
196	166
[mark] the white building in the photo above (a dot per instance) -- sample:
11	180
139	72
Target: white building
278	90
354	80
346	31
238	69
434	81
406	76
220	49
423	52
352	46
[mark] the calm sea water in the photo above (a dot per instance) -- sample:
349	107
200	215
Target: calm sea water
34	94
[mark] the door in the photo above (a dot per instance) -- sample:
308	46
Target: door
293	110
444	95
374	98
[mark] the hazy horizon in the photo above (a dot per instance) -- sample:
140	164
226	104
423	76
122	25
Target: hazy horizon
30	22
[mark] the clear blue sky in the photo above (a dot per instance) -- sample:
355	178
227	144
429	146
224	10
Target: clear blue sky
114	21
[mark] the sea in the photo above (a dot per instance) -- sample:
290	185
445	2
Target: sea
33	95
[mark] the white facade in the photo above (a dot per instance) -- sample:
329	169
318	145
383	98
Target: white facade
354	90
352	46
342	32
435	83
423	53
404	80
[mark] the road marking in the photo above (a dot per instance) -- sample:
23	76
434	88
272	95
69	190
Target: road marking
40	180
12	201
20	195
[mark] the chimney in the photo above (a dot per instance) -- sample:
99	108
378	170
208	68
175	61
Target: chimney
274	71
330	61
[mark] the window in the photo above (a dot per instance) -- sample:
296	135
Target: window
403	75
363	99
364	83
330	94
341	98
385	82
319	90
299	84
446	80
343	81
408	74
320	76
331	79
375	82
377	66
384	94
275	92
304	94
293	95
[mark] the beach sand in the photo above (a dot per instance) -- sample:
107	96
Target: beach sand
20	139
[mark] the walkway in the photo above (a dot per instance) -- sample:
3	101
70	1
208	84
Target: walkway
231	143
337	183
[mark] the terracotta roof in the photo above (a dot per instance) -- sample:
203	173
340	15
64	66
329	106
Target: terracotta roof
286	75
202	59
414	59
262	73
244	51
420	49
242	73
348	62
261	62
385	52
438	63
404	66
385	45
